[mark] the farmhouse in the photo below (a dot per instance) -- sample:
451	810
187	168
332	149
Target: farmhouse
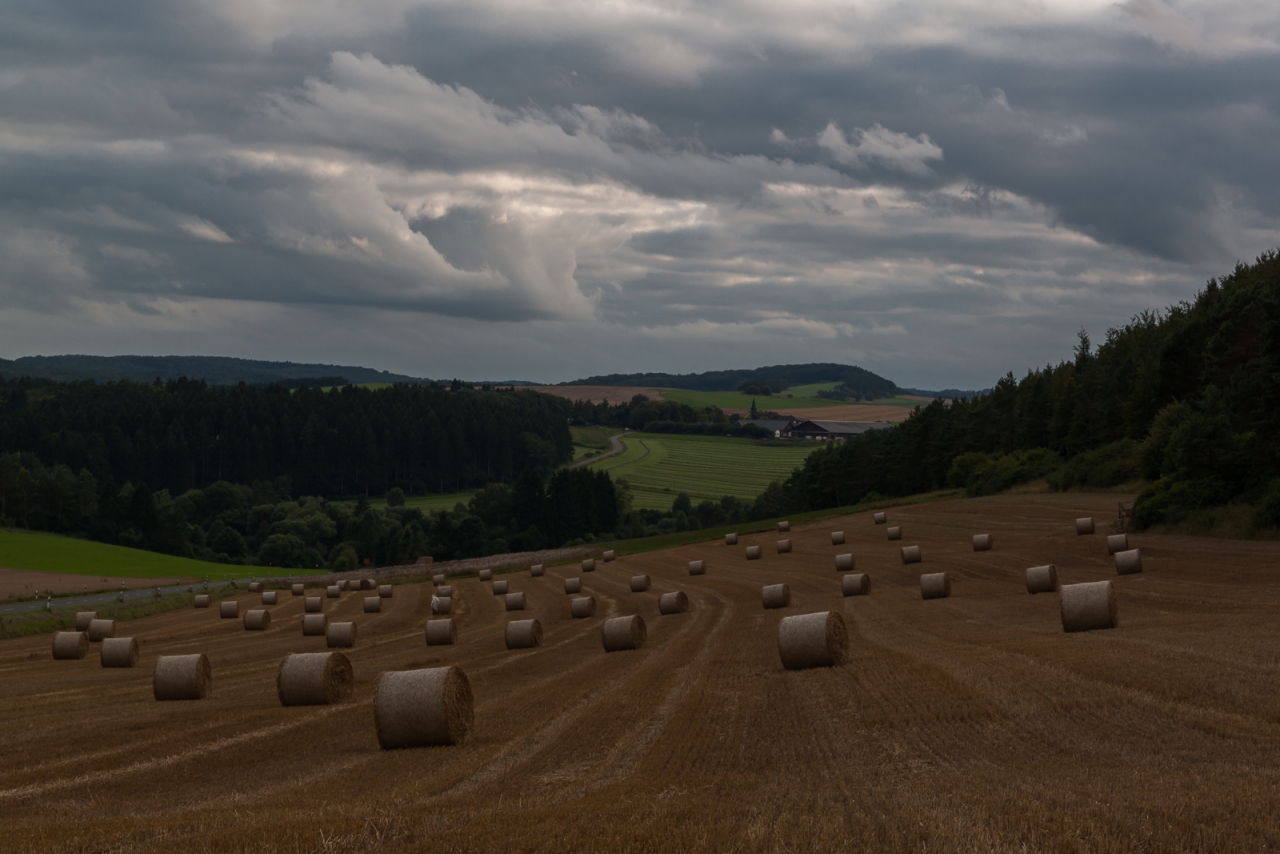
777	428
831	430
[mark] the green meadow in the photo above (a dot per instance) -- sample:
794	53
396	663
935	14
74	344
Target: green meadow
797	397
68	555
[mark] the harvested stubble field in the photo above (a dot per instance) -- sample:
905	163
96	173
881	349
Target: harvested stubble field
963	724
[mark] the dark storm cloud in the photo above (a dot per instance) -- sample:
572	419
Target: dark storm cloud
939	192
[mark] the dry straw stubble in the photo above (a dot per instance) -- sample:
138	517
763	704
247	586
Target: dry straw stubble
120	652
182	677
423	708
314	679
813	640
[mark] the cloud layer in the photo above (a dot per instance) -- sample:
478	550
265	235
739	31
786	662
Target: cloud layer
939	192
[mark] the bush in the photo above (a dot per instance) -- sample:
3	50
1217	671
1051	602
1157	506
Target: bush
1110	465
982	474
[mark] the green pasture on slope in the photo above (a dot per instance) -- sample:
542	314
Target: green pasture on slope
68	555
660	467
776	402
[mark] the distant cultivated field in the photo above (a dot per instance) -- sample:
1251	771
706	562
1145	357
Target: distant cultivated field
52	553
660	467
801	398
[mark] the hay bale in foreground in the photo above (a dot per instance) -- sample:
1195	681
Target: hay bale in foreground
442	632
313	605
182	677
784	547
573	585
536	571
881	518
776	595
523	634
298	589
441	605
1042	579
911	554
1117	543
423	708
486	575
340	635
639	583
1127	563
622	633
855	584
730	539
314	679
609	556
69	645
333	591
837	538
373	604
119	652
257	620
84	618
844	563
500	588
446	591
589	565
697	567
895	533
229	610
101	629
1084	526
202	600
935	585
673	603
813	640
753	552
583	607
269	597
1089	606
982	542
314	625
438	579
514	601
784	526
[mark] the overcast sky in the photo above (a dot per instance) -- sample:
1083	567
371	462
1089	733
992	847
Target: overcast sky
938	191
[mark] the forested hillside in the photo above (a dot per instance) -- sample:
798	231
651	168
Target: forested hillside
855	381
215	370
1187	400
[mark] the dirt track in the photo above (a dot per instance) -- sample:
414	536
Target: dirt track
971	723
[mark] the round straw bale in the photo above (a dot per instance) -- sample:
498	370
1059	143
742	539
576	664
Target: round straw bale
784	546
573	585
753	552
524	634
837	538
881	518
255	586
445	591
298	589
182	677
895	533
844	563
813	640
333	591
84	618
486	575
1127	563
342	585
120	652
622	633
609	556
583	607
730	539
536	571
1117	543
442	632
438	579
314	679
423	708
441	604
229	610
935	585
313	605
673	603
776	595
269	597
697	567
515	601
784	526
340	635
367	584
314	625
1089	606
68	645
639	583
589	565
385	591
372	604
257	620
855	584
1042	579
1084	526
910	554
202	600
982	542
500	588
100	629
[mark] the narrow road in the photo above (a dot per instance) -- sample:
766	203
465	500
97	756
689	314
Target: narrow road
61	603
618	448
